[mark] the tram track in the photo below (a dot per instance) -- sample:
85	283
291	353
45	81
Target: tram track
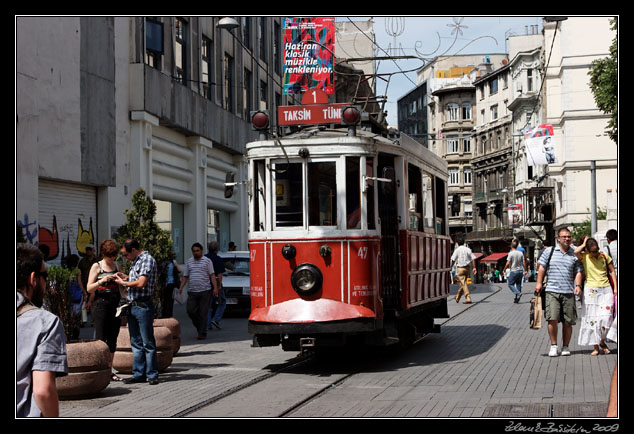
301	360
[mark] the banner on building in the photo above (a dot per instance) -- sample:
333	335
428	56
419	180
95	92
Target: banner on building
309	59
540	145
515	215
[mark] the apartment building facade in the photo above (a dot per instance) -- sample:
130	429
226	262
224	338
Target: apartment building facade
107	105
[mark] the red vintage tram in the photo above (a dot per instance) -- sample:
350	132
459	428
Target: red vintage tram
348	239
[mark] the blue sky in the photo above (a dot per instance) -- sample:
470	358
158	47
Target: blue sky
437	35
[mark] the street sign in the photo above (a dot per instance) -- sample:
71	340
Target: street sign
313	114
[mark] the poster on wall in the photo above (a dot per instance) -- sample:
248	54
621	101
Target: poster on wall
515	215
309	59
540	146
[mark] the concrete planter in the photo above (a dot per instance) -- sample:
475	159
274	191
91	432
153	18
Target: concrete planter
123	356
88	370
174	326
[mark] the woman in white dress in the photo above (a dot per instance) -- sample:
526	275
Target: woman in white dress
598	296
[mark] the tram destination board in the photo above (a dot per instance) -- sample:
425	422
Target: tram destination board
313	114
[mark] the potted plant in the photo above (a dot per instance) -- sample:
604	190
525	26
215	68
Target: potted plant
88	370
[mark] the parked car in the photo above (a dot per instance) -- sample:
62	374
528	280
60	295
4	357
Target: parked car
236	279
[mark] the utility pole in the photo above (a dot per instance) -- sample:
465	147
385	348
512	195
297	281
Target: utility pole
593	197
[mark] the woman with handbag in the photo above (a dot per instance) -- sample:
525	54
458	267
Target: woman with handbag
104	297
598	295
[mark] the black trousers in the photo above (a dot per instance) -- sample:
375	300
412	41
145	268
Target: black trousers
197	308
107	325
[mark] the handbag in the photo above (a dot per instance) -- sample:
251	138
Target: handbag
536	313
176	295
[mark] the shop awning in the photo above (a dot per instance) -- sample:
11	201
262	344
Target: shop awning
478	255
495	257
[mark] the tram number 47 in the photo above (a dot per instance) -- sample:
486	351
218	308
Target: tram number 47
363	252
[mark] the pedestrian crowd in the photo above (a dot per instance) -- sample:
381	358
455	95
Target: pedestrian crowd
565	274
101	288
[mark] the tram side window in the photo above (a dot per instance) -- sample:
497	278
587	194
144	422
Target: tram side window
322	193
369	192
288	195
353	193
415	206
441	206
428	203
259	188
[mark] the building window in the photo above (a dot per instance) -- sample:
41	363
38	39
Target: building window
264	100
467	176
153	42
277	57
262	37
180	50
468	208
245	29
466	145
452	146
466	111
452	112
247	93
494	112
454	176
482	117
493	86
207	66
228	87
529	80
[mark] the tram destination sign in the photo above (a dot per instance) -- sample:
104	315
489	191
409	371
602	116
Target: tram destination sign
313	114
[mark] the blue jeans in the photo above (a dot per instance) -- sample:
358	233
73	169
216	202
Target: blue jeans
515	281
220	309
141	327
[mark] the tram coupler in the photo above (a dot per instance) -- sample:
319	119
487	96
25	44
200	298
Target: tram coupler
306	345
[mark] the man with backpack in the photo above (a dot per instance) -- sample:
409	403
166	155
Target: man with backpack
565	275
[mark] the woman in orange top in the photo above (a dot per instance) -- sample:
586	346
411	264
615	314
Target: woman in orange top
598	295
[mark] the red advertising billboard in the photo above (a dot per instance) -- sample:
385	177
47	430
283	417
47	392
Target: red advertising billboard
309	59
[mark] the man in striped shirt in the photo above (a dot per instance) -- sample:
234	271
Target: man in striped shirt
198	272
565	274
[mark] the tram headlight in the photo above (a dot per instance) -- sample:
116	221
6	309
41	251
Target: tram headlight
306	279
350	115
260	120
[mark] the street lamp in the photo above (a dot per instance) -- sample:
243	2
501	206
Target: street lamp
227	23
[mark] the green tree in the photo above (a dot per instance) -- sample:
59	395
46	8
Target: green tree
604	84
140	225
584	228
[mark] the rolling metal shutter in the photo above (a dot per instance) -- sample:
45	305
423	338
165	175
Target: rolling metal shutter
67	218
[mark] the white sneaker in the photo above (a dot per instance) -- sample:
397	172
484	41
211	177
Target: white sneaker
553	351
565	351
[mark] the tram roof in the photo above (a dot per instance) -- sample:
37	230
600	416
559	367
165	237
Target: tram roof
363	142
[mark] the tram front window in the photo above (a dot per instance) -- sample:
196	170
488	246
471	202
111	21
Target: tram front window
288	195
322	194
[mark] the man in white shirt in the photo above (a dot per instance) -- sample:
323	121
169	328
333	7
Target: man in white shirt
517	263
462	257
612	248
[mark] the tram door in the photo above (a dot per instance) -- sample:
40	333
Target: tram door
388	213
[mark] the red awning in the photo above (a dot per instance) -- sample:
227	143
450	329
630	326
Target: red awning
495	257
478	255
